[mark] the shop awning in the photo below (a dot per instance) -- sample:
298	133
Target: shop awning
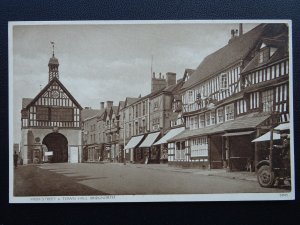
276	136
149	140
172	133
237	133
134	141
283	126
267	137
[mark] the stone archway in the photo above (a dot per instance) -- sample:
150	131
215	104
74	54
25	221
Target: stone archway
57	143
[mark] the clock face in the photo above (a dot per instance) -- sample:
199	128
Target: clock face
55	94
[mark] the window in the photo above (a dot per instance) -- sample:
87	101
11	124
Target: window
194	122
254	100
241	106
155	106
62	115
199	147
272	51
207	117
202	121
220	115
180	150
223	81
190	96
42	113
264	55
213	118
229	112
267	101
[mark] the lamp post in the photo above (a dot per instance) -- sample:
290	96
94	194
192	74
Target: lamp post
124	141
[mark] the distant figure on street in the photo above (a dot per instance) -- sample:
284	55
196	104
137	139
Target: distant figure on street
16	159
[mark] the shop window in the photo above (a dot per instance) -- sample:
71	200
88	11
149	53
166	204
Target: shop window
199	147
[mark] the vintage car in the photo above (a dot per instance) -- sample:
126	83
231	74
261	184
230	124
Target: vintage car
275	168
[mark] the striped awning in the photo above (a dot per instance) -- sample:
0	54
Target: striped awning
134	141
149	140
172	133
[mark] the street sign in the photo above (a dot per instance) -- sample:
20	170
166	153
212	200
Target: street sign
49	153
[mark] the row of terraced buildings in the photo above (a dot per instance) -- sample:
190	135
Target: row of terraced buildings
207	117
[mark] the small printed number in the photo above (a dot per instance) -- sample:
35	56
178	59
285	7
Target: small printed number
284	195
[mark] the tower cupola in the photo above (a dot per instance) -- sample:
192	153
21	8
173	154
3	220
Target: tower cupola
53	65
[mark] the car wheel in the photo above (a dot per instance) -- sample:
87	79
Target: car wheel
265	177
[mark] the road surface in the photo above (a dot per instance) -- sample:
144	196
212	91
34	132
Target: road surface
119	179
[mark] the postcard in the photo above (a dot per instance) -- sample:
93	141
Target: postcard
150	111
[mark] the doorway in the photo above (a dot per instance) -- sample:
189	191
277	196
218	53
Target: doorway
58	144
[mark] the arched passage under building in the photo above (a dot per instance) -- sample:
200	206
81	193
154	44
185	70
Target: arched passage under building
57	143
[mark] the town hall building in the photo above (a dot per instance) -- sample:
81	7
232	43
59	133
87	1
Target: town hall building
51	123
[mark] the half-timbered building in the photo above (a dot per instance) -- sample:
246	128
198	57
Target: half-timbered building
51	123
222	112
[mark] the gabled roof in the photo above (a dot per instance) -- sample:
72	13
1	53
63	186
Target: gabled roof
230	54
130	100
280	42
25	102
46	88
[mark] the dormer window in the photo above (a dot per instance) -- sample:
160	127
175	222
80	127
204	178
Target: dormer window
266	53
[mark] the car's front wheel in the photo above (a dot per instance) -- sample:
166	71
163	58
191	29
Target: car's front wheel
265	176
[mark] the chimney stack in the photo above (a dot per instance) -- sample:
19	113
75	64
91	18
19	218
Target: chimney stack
101	105
109	104
240	29
171	78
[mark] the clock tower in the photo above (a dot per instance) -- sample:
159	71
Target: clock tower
53	65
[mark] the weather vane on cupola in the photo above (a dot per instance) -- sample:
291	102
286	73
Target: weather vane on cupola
52	43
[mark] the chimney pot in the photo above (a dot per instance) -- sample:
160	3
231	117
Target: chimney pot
109	104
171	78
240	29
101	105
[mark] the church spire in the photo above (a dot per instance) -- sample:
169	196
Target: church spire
53	65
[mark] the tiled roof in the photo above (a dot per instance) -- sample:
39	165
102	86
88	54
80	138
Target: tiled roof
234	51
89	113
131	100
25	102
250	121
122	103
190	71
281	42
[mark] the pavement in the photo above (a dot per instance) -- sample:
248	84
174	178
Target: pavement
239	175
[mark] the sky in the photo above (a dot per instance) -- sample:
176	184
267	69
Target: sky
103	62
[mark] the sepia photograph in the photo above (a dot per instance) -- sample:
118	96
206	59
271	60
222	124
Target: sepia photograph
150	111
